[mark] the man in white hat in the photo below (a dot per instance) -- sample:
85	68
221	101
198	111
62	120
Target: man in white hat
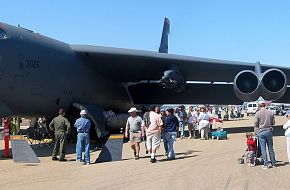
136	131
83	126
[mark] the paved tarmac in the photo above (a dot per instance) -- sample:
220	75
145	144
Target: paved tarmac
209	164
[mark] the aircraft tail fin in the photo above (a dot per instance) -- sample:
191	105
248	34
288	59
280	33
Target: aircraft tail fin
164	38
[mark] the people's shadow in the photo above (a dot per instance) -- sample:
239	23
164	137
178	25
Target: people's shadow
187	152
281	163
182	155
177	158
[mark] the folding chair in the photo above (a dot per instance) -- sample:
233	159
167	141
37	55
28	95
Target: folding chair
33	137
45	137
50	136
238	116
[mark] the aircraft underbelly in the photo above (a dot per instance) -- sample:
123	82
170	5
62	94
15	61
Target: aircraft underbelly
110	94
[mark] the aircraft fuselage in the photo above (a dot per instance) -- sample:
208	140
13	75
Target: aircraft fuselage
38	75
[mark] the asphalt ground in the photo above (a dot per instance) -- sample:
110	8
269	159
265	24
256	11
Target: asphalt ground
199	164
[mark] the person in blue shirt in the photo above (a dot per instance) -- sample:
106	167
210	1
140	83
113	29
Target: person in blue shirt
83	126
182	118
171	125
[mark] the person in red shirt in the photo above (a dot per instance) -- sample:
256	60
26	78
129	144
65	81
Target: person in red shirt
252	147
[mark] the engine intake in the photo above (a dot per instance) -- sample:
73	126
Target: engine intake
274	83
246	86
249	86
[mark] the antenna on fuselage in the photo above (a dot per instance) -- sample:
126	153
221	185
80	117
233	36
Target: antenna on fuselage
25	29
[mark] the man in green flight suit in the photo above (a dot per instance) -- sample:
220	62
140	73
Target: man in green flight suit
61	126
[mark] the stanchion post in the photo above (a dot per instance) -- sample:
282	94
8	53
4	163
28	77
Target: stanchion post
6	137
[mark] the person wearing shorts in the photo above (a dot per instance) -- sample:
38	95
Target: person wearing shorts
153	132
134	128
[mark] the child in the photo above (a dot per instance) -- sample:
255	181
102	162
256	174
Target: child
251	149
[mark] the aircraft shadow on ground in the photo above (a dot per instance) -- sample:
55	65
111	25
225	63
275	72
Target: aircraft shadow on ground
2	154
44	150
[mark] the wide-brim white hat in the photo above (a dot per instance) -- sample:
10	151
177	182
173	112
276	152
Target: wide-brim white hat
133	110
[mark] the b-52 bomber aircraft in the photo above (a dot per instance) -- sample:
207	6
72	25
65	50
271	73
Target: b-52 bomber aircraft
38	75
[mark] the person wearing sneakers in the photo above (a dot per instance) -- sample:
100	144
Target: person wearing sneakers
133	126
182	118
171	125
286	126
264	122
83	125
153	124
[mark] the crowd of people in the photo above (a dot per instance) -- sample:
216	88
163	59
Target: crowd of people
167	125
159	125
155	125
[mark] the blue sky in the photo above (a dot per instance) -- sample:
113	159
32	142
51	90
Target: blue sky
232	30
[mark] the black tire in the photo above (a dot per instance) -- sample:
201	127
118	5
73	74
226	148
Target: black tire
241	160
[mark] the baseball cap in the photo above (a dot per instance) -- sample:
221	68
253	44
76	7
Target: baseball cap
83	112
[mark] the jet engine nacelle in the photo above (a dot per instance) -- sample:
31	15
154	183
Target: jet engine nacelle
172	79
249	86
274	84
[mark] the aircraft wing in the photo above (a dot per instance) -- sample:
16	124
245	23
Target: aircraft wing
134	65
152	93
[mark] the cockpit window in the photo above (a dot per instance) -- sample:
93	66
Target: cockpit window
3	34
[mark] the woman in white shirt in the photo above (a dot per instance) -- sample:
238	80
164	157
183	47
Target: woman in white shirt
286	126
203	123
192	119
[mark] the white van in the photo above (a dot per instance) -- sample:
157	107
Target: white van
252	108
